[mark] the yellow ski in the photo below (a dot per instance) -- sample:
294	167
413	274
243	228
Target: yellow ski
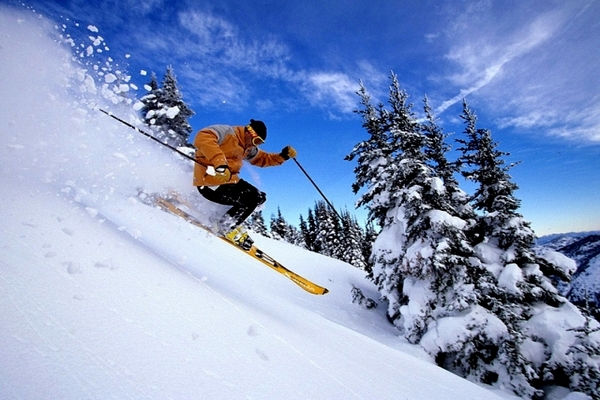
254	252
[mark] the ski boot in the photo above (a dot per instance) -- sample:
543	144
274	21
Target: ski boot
240	237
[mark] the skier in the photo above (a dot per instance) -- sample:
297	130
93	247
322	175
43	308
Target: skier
220	152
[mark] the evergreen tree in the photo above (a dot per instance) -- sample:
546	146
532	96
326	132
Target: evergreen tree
279	226
174	121
328	230
305	235
293	236
256	222
434	264
580	373
467	287
383	166
500	224
352	239
421	256
436	151
165	111
375	158
150	102
311	236
324	233
367	247
514	284
424	264
337	238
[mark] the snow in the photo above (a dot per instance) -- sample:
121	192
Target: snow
438	217
437	185
172	112
510	276
451	330
103	296
558	328
566	264
491	256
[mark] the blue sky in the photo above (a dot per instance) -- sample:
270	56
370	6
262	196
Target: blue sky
530	70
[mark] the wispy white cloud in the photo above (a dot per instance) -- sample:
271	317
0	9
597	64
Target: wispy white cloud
224	64
333	88
577	124
536	69
337	90
484	58
143	7
208	35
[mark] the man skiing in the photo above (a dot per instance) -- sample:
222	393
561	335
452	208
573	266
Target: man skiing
220	152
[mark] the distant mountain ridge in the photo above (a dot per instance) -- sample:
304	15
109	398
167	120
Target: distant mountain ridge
584	249
569	236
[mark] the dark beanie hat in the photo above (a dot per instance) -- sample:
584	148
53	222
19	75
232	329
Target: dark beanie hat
260	128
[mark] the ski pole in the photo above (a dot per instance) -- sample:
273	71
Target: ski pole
319	190
149	135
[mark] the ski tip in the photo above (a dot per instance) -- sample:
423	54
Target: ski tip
320	291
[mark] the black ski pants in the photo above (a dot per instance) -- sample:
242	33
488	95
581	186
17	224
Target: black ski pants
242	196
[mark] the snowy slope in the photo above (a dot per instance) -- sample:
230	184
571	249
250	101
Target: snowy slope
102	296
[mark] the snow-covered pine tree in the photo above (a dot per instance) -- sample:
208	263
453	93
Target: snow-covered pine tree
374	159
451	325
256	222
311	237
279	226
421	257
150	101
174	120
436	150
534	323
305	236
324	233
165	111
293	236
494	195
352	239
434	266
378	164
366	246
282	230
338	236
581	371
328	237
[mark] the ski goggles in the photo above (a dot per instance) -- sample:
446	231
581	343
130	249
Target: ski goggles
256	140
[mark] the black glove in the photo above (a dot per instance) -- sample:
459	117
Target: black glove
288	152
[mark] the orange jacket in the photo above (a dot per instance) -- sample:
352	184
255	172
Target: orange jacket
218	145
